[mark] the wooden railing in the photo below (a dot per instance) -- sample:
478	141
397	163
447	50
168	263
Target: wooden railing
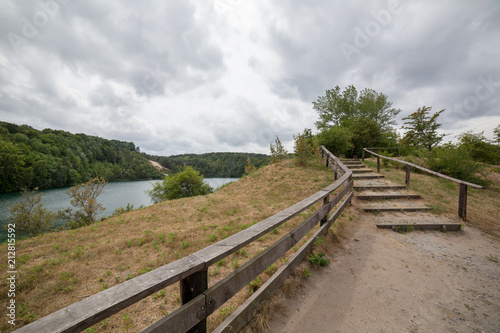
462	196
199	301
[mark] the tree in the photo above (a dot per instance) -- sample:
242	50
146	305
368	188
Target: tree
422	129
479	148
249	167
336	107
302	149
84	197
368	116
278	152
186	183
336	139
496	135
29	214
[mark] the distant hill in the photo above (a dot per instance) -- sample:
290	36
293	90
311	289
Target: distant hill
222	165
54	158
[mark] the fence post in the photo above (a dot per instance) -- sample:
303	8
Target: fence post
192	286
397	152
325	202
363	155
378	163
407	178
462	202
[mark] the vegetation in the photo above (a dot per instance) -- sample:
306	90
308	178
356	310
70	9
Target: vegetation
355	120
496	135
422	129
71	263
84	197
221	165
52	158
278	152
186	183
30	216
479	148
302	149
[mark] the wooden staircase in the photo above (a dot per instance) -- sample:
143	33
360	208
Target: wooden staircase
395	206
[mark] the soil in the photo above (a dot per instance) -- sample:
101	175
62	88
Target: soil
384	281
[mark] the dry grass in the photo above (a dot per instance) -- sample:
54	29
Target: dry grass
58	269
483	206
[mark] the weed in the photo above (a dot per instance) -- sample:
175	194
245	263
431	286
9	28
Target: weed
254	285
220	263
90	330
129	276
404	229
319	258
270	270
140	242
211	238
162	237
104	286
226	312
235	263
127	322
118	251
242	252
307	273
215	271
129	243
185	244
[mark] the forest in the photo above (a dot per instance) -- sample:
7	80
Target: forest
30	158
222	165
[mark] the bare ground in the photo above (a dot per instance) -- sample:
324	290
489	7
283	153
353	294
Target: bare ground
384	281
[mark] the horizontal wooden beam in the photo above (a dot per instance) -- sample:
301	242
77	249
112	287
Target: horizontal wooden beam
422	226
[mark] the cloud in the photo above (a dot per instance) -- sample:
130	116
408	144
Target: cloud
186	76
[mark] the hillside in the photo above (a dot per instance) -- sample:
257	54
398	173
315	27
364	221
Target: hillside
58	269
223	165
54	158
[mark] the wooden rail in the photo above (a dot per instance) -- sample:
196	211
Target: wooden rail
199	301
462	197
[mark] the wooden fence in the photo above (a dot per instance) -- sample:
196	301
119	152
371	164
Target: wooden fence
462	196
199	301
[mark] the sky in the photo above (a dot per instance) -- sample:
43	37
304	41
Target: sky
178	76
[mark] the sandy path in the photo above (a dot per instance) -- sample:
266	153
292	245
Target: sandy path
384	281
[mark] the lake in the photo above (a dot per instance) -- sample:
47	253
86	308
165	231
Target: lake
116	195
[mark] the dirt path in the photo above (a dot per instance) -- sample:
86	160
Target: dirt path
384	281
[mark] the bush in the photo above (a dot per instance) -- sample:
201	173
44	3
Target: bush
29	215
302	149
336	139
456	162
187	183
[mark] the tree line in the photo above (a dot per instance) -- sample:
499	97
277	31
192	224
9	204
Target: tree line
212	165
350	120
53	158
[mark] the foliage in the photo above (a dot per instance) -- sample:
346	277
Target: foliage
455	162
368	117
319	258
53	158
422	129
186	183
496	135
278	152
249	167
29	214
336	139
302	149
335	108
84	198
223	165
479	148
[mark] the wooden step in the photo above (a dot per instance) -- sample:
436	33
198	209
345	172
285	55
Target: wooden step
395	209
421	226
352	163
356	166
379	187
387	196
362	170
366	176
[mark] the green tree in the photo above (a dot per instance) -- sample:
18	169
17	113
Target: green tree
479	148
496	135
336	139
302	149
368	116
30	216
278	152
422	129
84	197
336	107
186	183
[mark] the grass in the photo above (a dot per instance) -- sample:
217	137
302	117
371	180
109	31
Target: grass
483	206
119	248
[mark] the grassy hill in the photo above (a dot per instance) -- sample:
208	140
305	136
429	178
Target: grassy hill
58	269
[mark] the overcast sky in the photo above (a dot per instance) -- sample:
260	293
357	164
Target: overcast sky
230	75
